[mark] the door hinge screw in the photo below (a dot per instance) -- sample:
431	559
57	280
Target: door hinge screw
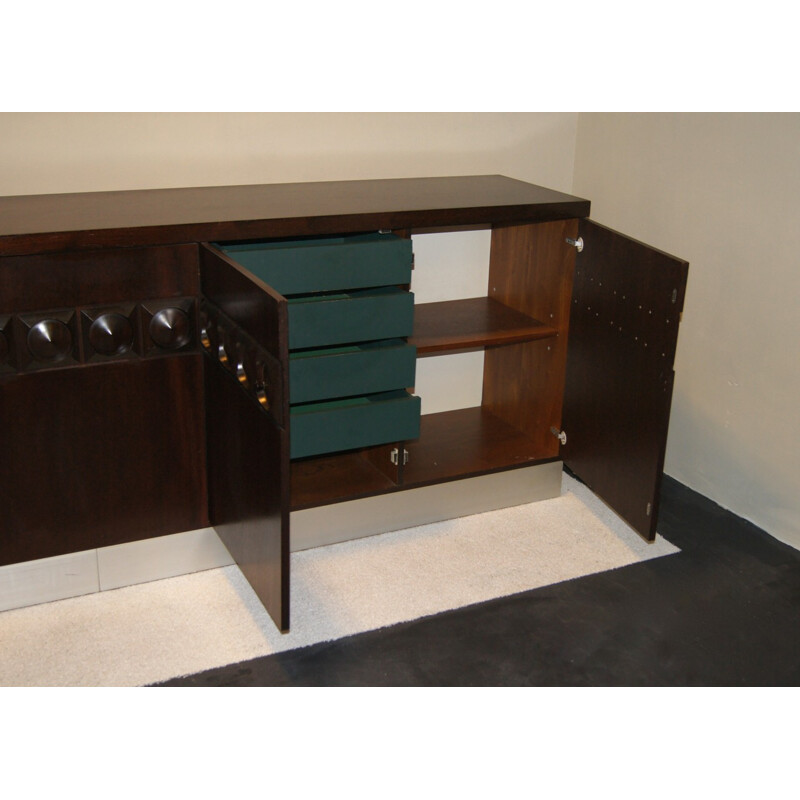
576	243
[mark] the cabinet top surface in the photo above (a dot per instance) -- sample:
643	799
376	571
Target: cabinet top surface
47	223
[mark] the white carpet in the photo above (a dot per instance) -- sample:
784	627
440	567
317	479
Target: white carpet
155	631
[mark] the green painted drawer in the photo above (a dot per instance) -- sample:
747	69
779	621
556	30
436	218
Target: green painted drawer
327	264
347	371
349	317
336	425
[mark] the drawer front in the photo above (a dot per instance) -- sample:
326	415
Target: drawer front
338	425
329	264
359	316
348	371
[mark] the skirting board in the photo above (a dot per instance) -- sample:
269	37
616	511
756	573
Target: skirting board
353	519
75	574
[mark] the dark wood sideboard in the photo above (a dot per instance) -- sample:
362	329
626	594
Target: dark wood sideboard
145	372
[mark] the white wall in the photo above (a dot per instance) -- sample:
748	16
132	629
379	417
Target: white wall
43	153
723	192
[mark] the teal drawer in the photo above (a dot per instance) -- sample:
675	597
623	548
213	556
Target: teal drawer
327	264
336	425
349	317
347	371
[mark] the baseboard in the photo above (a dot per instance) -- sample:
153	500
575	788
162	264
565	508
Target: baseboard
353	519
76	574
107	568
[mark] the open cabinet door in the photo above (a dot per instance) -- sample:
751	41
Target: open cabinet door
245	338
626	305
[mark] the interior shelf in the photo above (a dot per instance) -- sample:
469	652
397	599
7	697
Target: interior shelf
454	325
452	444
468	441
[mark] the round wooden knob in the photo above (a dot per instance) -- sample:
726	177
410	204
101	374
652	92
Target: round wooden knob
50	340
170	328
111	334
3	348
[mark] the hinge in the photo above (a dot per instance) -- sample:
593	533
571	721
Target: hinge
395	456
576	243
649	508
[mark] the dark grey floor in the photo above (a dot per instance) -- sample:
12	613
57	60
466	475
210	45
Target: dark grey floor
723	612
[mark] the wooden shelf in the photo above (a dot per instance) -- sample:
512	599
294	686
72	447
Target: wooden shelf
333	478
469	441
452	444
456	325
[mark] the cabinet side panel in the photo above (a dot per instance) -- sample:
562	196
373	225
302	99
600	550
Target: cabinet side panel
531	270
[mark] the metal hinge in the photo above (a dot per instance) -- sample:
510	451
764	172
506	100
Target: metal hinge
560	435
395	456
576	243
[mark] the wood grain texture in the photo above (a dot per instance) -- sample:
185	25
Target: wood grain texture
248	488
47	223
248	450
257	310
625	316
41	282
459	325
465	442
531	270
329	479
101	455
380	457
251	303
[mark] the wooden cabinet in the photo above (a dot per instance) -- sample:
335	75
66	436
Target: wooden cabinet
170	358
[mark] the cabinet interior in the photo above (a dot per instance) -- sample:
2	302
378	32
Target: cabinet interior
521	325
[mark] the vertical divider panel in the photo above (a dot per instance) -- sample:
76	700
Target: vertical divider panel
531	270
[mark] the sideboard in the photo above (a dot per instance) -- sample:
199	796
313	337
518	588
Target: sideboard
158	372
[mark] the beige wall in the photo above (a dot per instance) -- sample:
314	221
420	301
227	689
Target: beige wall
42	153
723	192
